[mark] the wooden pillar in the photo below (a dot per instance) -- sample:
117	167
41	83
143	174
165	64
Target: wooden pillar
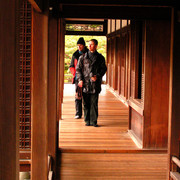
9	119
61	44
39	96
52	91
174	90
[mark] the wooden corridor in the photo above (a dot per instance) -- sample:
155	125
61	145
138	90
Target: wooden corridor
107	151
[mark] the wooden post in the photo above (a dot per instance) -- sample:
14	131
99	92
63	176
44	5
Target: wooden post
174	88
39	96
9	119
61	44
52	91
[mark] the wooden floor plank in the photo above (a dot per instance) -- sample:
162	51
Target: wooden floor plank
113	165
106	152
113	122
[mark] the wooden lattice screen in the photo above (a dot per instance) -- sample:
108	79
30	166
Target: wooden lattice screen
25	77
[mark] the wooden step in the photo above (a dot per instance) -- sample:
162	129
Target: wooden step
105	152
113	166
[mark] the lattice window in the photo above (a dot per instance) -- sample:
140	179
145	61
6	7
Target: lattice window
90	28
84	27
25	77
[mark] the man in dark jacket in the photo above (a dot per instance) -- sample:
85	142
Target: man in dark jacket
81	50
90	69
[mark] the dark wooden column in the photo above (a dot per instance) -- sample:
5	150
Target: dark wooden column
174	95
9	119
157	60
61	44
39	96
52	90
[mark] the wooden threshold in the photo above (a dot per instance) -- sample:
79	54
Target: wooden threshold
76	150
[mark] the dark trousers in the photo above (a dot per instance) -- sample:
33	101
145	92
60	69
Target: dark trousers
78	103
90	102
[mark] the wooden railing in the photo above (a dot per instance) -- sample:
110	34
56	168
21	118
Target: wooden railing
174	174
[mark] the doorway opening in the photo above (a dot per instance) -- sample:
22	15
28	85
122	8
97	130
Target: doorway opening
71	47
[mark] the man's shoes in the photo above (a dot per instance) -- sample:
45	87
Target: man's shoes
87	124
95	125
77	117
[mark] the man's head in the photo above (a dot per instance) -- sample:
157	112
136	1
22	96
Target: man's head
93	43
81	44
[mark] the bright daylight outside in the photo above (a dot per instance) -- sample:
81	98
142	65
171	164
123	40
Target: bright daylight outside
71	47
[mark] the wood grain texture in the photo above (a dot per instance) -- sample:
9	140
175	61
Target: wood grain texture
101	153
156	84
52	90
112	133
9	111
174	95
113	166
39	96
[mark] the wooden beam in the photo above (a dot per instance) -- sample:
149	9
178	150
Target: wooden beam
125	12
9	104
121	3
37	4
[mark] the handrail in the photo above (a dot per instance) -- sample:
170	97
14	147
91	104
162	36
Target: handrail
175	175
176	161
50	172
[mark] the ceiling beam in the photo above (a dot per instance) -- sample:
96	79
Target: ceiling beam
115	12
161	3
37	4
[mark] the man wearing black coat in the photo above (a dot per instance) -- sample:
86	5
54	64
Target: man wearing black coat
90	69
81	50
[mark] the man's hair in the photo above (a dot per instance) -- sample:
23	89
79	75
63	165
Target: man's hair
95	41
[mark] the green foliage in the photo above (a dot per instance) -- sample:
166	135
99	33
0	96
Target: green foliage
71	47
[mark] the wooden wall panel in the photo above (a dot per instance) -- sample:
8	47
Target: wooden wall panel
119	80
115	64
39	95
118	64
129	65
112	63
133	60
122	81
9	113
137	124
127	72
109	74
174	95
158	52
112	75
132	84
123	63
108	59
